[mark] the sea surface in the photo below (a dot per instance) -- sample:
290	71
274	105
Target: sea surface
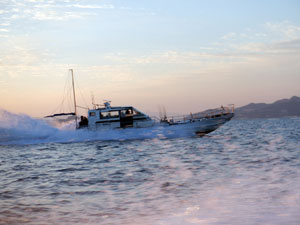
246	172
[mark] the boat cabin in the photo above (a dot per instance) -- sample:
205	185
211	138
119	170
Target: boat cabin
116	117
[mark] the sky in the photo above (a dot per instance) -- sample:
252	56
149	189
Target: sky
185	55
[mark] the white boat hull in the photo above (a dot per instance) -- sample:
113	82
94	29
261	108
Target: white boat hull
198	127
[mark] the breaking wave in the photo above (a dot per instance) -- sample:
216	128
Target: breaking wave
23	129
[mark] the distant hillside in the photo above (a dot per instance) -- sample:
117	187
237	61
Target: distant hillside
281	108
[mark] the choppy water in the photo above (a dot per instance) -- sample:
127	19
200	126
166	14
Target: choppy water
246	172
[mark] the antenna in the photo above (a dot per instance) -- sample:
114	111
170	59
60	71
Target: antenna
160	113
93	100
164	113
74	96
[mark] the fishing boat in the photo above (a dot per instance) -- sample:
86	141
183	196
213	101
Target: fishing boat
107	117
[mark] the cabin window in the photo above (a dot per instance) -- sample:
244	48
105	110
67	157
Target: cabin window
135	113
109	115
92	114
126	112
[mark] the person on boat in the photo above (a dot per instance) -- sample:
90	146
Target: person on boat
83	121
128	112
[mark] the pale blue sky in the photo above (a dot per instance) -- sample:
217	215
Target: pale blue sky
186	55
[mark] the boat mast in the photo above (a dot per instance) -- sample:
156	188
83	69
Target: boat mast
74	97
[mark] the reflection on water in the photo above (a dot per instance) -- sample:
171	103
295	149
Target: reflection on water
247	172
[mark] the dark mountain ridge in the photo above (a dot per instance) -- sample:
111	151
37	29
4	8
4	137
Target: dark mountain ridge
281	108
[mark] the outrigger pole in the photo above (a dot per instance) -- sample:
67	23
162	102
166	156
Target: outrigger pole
74	97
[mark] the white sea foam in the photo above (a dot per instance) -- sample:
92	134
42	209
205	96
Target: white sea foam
16	127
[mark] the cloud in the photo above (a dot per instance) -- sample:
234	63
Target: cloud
269	38
3	11
285	29
5	24
93	6
53	15
229	36
49	10
4	30
226	53
289	45
166	57
268	32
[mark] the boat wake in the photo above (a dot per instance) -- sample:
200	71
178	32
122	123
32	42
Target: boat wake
22	129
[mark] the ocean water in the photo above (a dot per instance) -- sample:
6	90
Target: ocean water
246	172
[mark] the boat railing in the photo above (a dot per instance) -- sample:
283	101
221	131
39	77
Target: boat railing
212	113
